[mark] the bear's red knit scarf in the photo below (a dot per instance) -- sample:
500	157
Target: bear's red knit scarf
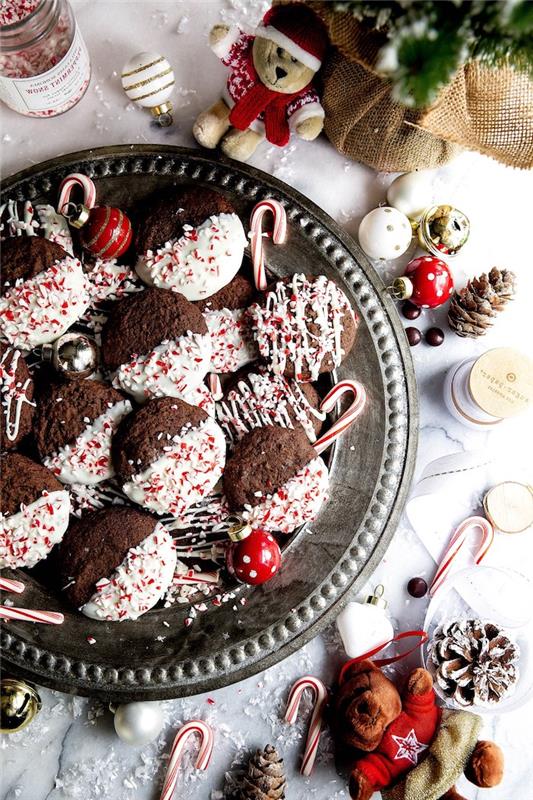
261	100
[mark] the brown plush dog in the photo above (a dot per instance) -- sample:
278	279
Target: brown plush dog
407	742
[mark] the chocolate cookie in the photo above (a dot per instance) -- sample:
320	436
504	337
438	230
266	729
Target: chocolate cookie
44	291
258	397
191	240
34	511
303	326
238	293
116	563
275	479
158	344
73	429
16	387
168	455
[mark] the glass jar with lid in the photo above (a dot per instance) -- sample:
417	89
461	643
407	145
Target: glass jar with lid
44	63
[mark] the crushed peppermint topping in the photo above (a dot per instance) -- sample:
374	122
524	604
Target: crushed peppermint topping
231	339
185	474
138	582
13	393
296	502
265	399
28	536
300	325
172	369
40	309
199	263
87	459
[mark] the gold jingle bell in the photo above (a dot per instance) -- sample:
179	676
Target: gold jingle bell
20	703
443	230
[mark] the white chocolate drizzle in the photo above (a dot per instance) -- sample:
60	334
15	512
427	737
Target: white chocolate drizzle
13	393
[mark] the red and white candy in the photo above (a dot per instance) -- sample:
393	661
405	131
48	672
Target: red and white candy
463	531
320	694
195	727
347	419
31	615
278	234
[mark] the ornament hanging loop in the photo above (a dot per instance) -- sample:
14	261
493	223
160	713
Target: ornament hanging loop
401	288
163	114
77	215
65	190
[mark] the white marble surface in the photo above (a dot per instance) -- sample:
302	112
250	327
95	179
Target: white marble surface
71	750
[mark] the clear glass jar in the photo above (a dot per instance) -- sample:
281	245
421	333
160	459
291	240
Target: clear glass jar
44	63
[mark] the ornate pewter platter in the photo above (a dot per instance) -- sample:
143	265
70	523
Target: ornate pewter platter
370	468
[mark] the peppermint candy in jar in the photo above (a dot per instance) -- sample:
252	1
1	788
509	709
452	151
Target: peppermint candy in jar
44	63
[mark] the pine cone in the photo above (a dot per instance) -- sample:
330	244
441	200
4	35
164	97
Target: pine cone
472	308
473	662
265	778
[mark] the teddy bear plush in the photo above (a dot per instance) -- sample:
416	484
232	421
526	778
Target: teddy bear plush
406	746
269	90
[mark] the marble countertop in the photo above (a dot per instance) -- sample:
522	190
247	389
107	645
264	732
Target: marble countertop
71	750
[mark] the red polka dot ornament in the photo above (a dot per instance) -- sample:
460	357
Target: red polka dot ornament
254	559
427	282
106	232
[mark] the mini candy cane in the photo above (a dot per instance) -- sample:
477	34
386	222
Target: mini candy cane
68	184
256	236
345	420
457	541
8	585
29	615
215	387
313	735
176	754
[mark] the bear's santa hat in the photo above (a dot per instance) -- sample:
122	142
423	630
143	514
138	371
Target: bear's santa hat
298	30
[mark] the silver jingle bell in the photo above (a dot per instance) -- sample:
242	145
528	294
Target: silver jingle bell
73	355
138	723
443	230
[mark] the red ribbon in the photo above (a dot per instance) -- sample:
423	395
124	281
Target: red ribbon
383	662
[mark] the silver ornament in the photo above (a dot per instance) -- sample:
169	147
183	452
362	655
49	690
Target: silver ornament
138	723
73	355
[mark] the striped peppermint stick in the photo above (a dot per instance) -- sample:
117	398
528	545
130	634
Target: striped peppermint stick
68	184
279	234
8	585
195	726
30	615
196	577
313	735
466	528
345	420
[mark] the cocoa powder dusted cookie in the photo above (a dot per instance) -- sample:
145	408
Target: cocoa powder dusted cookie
303	326
258	398
16	387
157	344
168	455
34	511
190	240
232	342
275	479
73	428
43	291
116	563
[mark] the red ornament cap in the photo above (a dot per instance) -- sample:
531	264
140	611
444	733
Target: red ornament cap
107	232
256	559
427	282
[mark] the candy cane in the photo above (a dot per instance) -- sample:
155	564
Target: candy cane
68	184
176	754
345	420
196	577
313	735
29	615
215	387
457	541
8	585
256	236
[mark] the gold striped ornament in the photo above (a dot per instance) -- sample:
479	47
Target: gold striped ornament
148	80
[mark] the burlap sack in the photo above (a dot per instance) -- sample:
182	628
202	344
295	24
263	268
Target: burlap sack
482	109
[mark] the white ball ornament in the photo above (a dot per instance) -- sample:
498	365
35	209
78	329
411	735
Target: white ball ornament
138	723
148	80
411	193
385	233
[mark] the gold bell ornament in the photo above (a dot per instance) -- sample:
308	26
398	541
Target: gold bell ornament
148	79
19	704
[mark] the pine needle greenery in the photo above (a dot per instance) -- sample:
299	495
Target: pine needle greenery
428	40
